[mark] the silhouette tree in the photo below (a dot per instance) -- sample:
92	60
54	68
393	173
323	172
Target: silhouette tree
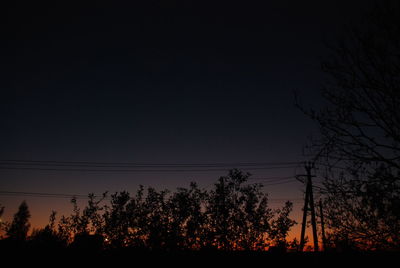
187	218
255	221
281	225
137	219
238	214
47	238
117	219
19	227
89	221
79	222
233	216
84	230
92	214
221	210
359	141
157	220
65	230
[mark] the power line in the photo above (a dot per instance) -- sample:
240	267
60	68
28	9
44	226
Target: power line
129	167
279	183
138	170
41	194
133	164
270	179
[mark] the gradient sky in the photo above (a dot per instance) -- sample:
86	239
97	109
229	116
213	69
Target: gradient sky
161	82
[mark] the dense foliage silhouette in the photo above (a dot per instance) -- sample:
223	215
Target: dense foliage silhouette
18	230
231	224
233	216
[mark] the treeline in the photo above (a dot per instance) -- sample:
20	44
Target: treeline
234	215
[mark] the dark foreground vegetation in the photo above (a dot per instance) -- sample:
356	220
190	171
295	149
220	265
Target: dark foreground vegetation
234	215
71	256
228	225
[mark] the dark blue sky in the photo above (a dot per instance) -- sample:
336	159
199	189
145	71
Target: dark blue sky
161	82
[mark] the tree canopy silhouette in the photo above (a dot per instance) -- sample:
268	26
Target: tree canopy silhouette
234	215
18	230
359	145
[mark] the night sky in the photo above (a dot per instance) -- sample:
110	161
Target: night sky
163	82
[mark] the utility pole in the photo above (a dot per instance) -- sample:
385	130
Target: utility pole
322	224
309	202
304	222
